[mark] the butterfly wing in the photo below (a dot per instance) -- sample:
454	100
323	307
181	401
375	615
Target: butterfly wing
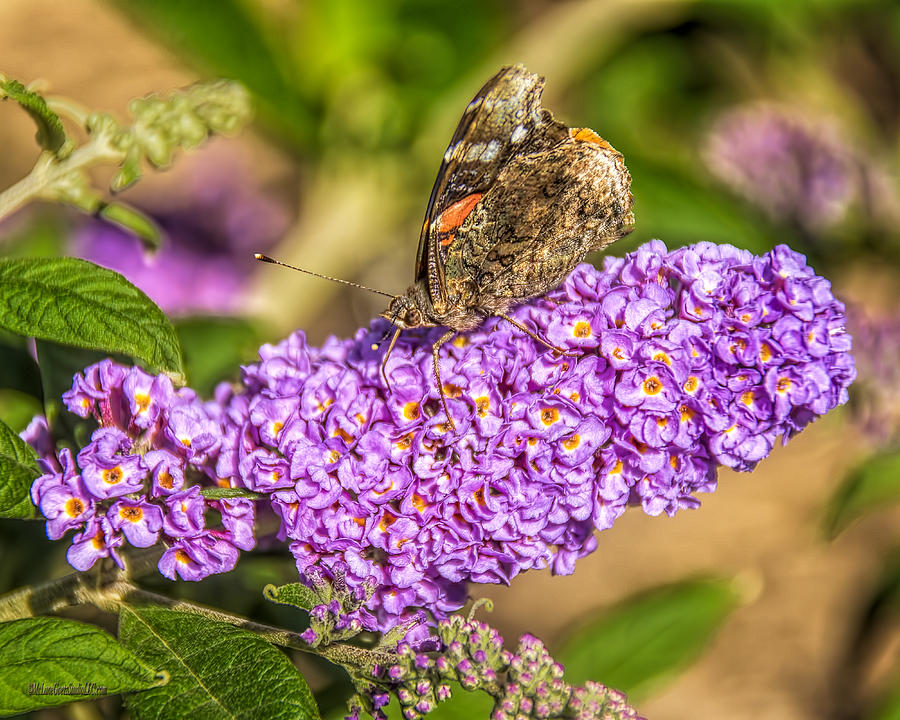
545	212
503	120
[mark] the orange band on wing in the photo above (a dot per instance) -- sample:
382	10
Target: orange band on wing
455	215
588	135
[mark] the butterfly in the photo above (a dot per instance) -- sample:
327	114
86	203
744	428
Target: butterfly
519	200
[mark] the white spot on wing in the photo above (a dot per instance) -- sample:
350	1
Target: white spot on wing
518	135
449	153
490	152
474	104
474	152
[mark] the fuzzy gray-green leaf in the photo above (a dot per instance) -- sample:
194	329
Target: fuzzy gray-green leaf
294	594
51	135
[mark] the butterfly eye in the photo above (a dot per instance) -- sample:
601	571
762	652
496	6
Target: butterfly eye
413	317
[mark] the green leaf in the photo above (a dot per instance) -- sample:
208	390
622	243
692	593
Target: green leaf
18	469
219	493
75	302
135	222
296	594
51	135
216	670
648	638
873	483
38	653
215	347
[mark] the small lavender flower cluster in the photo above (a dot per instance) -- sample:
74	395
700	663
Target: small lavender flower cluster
794	168
688	360
139	479
876	400
527	683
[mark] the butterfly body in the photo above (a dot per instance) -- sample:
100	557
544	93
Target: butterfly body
519	200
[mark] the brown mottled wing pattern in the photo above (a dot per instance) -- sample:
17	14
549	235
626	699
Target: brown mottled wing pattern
504	120
546	211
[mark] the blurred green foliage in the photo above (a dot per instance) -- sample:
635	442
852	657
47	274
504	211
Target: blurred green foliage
344	74
361	79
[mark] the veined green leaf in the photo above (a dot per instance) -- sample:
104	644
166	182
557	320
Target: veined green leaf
18	469
217	670
295	594
48	661
75	302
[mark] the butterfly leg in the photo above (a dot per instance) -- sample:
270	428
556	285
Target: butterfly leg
437	372
537	337
387	383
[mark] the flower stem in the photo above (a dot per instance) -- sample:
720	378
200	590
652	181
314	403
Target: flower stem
68	108
48	169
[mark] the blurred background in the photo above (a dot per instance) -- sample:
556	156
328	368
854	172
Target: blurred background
750	122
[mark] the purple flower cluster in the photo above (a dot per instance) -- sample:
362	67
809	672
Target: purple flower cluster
139	479
527	683
683	361
794	168
687	360
876	400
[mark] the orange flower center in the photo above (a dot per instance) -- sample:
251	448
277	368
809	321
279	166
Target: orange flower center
113	475
131	514
411	410
451	390
74	507
653	385
481	405
582	329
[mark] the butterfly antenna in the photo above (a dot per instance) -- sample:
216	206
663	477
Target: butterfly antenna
266	258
